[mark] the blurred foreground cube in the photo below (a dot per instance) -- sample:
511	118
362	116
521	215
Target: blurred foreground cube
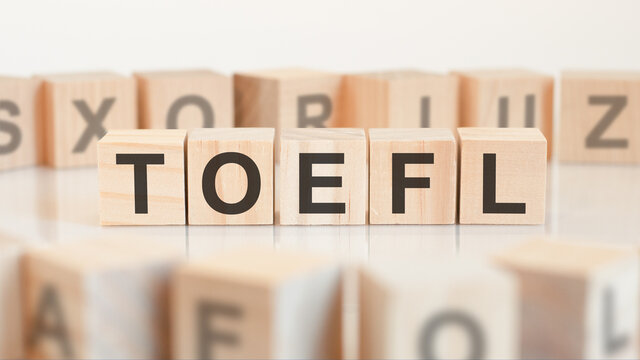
503	176
401	99
253	304
432	310
579	301
184	99
600	117
11	339
99	299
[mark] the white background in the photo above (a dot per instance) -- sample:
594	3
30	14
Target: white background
77	35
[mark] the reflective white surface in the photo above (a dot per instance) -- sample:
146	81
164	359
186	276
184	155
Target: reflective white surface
584	202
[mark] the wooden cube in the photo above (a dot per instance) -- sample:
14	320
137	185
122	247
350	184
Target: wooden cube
502	176
254	304
78	110
230	175
578	301
184	99
401	99
412	176
11	330
17	122
99	299
437	310
142	177
507	98
323	177
600	117
288	98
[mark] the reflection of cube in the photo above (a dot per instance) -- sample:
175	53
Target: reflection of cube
323	177
17	122
142	177
257	305
502	176
507	98
184	99
401	99
78	110
579	301
412	176
288	98
427	310
600	117
11	341
100	299
230	175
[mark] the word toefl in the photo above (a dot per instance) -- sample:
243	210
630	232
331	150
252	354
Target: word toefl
327	176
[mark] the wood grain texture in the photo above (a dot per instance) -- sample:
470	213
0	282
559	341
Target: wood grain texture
350	144
604	106
99	299
276	98
482	91
165	182
578	300
396	99
433	205
17	116
63	124
231	180
184	99
256	304
437	310
520	175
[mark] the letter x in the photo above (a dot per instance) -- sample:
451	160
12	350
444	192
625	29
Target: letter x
94	122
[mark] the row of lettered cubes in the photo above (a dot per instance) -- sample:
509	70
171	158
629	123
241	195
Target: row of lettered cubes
140	299
58	118
326	176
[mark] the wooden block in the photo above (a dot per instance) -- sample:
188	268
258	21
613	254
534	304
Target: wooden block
578	301
78	110
17	122
437	310
11	339
507	98
99	299
184	99
502	176
230	175
412	176
257	305
401	99
288	98
142	177
600	117
323	177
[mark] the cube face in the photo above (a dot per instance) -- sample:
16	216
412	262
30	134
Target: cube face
401	99
235	166
11	322
507	98
242	306
323	177
77	111
288	98
582	308
396	158
502	176
454	314
184	100
599	117
142	177
17	122
100	299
